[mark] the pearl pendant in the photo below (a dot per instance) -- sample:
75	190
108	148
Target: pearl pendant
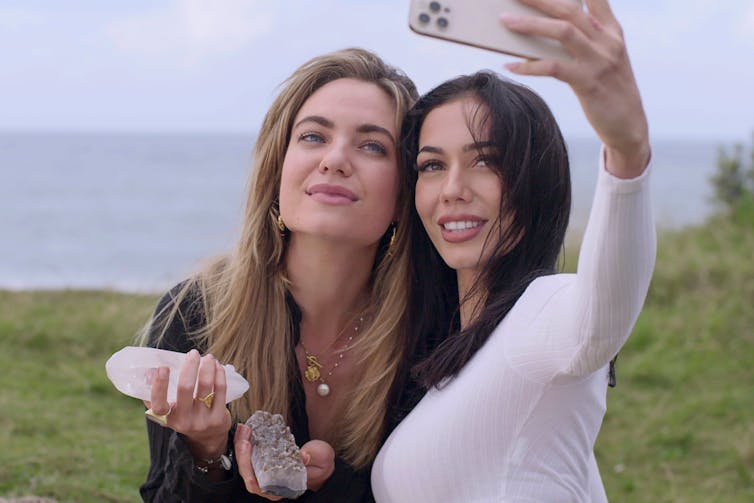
323	389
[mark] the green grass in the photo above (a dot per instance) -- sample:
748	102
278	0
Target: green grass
65	432
679	426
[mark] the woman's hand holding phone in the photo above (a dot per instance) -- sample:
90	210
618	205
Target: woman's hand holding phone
599	73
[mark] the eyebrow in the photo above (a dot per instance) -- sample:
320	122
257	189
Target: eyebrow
466	148
317	119
364	128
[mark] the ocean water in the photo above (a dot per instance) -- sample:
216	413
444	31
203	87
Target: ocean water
139	212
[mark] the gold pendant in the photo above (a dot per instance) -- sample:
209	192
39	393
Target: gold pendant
312	368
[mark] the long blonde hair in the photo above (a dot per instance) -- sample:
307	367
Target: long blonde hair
243	295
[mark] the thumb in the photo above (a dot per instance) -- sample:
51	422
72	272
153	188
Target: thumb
306	457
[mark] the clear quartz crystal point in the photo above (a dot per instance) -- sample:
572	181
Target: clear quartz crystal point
276	458
132	369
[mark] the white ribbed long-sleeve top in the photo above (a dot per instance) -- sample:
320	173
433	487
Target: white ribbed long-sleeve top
519	422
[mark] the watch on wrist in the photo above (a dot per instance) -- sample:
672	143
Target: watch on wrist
222	462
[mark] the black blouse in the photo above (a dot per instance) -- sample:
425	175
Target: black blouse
172	475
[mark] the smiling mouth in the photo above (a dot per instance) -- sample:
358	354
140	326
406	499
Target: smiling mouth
462	225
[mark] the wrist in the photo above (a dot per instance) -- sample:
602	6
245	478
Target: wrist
628	162
208	449
222	462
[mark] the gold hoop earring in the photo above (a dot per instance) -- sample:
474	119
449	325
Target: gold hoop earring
281	225
391	245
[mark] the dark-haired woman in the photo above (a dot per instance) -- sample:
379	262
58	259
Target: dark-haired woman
517	389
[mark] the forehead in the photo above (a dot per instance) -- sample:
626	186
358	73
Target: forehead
351	101
455	123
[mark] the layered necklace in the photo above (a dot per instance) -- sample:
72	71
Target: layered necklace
314	366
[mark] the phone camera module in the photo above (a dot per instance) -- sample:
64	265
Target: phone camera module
435	6
442	22
424	18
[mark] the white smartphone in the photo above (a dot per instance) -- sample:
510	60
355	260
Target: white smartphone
477	23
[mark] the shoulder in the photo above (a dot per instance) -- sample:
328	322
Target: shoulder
543	291
537	301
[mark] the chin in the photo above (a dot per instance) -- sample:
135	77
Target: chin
457	262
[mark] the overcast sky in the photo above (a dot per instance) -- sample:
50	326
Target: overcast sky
212	66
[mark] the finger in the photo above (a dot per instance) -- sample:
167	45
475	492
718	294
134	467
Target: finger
243	450
601	11
242	447
567	10
545	67
159	392
206	379
187	381
221	385
571	37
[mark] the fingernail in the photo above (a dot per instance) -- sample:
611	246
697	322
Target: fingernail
509	19
245	432
512	66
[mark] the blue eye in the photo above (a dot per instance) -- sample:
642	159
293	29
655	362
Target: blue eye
311	138
374	146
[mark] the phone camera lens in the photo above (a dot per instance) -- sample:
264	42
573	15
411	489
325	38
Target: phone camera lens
424	18
435	6
442	22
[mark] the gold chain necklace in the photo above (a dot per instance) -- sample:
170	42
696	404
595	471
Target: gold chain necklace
313	370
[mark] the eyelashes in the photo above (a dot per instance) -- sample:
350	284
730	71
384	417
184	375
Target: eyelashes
310	137
430	165
436	165
372	146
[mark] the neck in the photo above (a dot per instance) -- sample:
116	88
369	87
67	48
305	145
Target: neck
470	306
330	283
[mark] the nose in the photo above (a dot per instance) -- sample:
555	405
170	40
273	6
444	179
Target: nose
336	159
455	187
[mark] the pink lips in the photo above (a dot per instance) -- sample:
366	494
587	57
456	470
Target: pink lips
460	235
331	194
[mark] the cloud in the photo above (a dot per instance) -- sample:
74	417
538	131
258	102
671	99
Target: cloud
194	30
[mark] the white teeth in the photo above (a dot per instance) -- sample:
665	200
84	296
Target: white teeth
460	226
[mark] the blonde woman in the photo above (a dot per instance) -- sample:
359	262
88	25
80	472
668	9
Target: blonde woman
309	306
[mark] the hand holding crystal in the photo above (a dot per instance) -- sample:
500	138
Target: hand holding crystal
242	448
319	459
199	411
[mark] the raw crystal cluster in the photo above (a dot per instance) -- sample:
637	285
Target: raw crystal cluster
276	458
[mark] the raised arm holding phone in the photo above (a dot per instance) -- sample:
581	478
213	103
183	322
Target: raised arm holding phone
517	387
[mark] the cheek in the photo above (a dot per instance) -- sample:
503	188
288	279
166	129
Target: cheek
288	184
423	199
381	185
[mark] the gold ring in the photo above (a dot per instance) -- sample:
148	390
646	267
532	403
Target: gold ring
208	400
161	419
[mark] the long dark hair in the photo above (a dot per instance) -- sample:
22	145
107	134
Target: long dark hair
532	162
